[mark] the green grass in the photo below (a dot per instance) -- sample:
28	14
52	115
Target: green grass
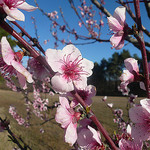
53	138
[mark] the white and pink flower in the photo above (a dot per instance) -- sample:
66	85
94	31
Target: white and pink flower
71	69
130	74
131	71
130	145
86	93
10	64
118	25
140	117
11	9
67	117
89	139
37	69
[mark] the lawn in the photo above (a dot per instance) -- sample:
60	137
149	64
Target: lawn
52	138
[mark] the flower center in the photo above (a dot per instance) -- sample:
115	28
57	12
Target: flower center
72	69
76	115
9	69
83	94
13	3
18	56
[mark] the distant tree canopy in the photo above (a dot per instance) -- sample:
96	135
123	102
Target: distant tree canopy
106	74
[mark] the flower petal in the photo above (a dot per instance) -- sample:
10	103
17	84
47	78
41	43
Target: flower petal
22	80
138	114
120	45
53	58
72	51
91	90
63	117
140	132
115	40
142	86
64	102
26	6
96	134
126	76
131	64
82	83
7	52
10	19
18	66
120	14
71	134
61	85
114	25
87	66
146	104
84	138
130	145
14	13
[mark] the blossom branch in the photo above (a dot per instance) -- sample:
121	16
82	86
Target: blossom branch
106	12
140	39
36	43
94	119
71	31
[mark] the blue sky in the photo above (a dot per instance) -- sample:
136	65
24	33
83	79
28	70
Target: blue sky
93	52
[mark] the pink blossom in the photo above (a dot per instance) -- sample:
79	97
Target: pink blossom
86	93
118	25
89	22
71	68
38	103
37	69
80	24
140	116
89	139
16	116
104	98
11	9
123	88
130	74
53	15
110	105
67	117
130	145
12	63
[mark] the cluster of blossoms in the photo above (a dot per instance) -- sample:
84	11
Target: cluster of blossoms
71	73
38	103
87	14
53	15
77	130
16	116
